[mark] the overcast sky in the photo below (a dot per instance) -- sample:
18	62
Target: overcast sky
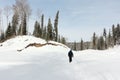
78	18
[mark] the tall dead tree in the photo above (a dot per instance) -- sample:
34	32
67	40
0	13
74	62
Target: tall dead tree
0	21
23	10
7	12
15	21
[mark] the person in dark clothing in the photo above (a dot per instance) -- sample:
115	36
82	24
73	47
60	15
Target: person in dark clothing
70	55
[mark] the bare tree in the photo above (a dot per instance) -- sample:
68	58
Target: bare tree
38	13
0	21
15	21
7	12
24	10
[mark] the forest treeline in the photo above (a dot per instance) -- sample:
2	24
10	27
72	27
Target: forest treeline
103	42
18	25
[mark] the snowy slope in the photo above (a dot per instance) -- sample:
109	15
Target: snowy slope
51	62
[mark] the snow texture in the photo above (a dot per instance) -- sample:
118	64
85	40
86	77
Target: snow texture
51	62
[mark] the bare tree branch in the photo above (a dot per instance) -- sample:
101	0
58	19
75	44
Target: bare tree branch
7	12
0	20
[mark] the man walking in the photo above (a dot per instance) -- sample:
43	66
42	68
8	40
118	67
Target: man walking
70	55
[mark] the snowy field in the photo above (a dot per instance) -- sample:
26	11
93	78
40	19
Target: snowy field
51	62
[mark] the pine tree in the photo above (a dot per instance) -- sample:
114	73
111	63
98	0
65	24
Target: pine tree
56	26
104	33
117	33
24	27
63	40
59	38
8	33
105	44
2	36
44	33
40	30
75	46
113	34
109	39
19	29
49	30
94	41
81	45
105	38
42	25
87	45
36	31
14	24
98	44
101	43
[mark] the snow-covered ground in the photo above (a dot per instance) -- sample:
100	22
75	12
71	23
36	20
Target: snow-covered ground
51	62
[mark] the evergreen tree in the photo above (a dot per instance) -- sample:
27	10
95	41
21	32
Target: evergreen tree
19	30
49	30
75	46
14	23
87	45
117	32
81	45
2	36
44	33
24	27
101	41
105	38
42	25
8	33
98	44
36	31
109	39
94	41
59	39
63	40
104	33
105	44
56	26
40	30
113	34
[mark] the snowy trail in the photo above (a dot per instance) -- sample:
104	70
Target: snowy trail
51	63
55	66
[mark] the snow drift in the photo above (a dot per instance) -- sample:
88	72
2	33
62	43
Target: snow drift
50	62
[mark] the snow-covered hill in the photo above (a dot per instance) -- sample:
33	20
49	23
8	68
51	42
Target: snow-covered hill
50	62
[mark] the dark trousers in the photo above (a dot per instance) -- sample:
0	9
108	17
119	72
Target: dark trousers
70	59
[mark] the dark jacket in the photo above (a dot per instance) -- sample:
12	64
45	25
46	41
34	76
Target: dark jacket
70	53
